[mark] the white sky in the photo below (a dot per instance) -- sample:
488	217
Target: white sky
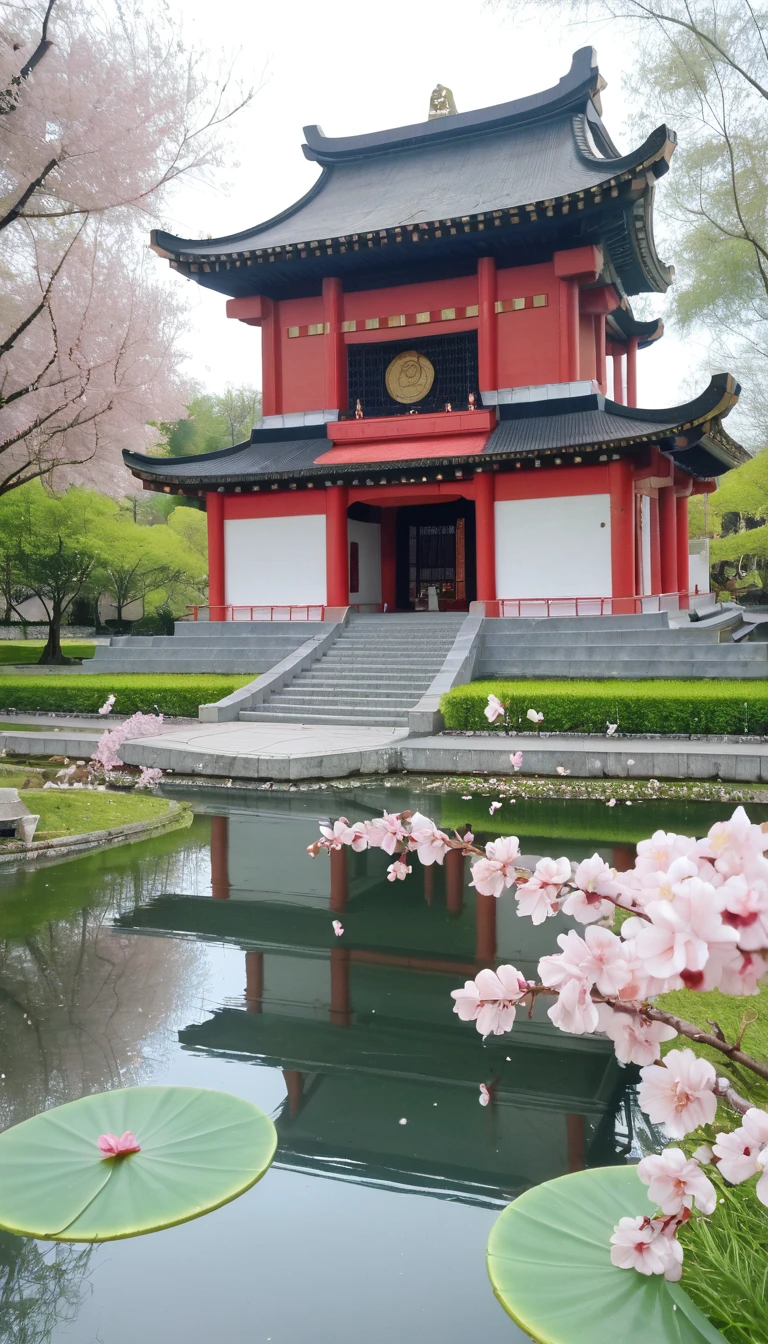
353	67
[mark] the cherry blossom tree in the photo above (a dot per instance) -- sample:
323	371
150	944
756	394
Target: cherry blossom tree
695	916
102	110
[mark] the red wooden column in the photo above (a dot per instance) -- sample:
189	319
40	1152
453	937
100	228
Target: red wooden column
254	981
336	547
681	521
602	378
618	376
655	546
220	858
339	880
632	371
668	539
454	881
214	510
485	536
486	328
622	488
485	929
569	331
389	558
335	370
271	398
341	1001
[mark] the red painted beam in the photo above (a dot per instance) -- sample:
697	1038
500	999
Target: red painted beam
438	424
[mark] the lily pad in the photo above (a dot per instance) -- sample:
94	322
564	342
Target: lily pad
550	1265
199	1149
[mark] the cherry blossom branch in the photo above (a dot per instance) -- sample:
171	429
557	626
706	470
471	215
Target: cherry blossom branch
735	1100
694	1033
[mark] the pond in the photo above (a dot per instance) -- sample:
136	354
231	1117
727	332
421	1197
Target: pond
208	957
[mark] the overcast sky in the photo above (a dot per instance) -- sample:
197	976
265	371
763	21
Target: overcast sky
353	67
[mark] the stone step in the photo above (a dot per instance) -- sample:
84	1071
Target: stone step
327	702
394	720
607	638
715	655
369	682
531	669
158	666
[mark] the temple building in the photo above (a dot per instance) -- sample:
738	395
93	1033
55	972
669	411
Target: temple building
441	422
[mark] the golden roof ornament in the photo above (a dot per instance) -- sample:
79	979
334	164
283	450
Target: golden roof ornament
441	103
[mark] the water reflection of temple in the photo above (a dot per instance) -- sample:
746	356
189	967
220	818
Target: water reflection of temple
362	1027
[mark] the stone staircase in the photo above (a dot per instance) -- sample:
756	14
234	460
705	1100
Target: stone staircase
603	647
378	669
207	646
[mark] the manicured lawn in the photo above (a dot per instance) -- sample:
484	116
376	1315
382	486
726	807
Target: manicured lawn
29	650
78	810
84	694
732	707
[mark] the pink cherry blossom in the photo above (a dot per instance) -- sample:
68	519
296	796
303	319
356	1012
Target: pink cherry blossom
744	1152
106	708
681	931
661	851
732	844
745	898
387	832
537	897
485	1095
148	776
574	1012
639	1243
679	1094
490	999
494	807
611	802
599	958
112	1146
535	716
494	709
338	927
674	1181
703	1154
398	871
498	870
594	880
431	845
561	770
636	1040
336	836
610	728
516	760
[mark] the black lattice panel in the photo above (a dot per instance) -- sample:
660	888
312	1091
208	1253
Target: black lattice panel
454	359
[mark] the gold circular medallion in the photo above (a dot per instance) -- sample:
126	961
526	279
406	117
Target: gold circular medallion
409	377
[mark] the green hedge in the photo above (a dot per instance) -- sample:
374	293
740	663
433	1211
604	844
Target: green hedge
637	706
77	693
29	650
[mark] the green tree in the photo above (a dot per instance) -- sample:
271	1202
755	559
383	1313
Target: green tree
735	518
211	422
137	563
192	526
49	548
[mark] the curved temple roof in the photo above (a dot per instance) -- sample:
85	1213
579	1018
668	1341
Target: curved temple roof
469	180
691	434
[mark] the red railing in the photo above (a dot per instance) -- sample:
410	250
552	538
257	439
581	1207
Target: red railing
538	607
258	612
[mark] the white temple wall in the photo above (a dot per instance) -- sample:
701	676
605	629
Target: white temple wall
368	539
557	547
275	561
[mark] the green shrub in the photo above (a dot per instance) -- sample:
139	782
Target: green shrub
84	694
732	707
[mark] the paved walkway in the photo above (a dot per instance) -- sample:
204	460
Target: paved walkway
311	751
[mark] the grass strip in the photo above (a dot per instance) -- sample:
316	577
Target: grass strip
15	651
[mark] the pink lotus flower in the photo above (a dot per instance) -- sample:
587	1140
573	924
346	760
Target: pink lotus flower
574	1011
675	1181
490	1000
112	1146
498	870
640	1243
485	1095
516	760
679	1094
494	709
594	880
338	927
535	716
744	1152
398	871
636	1040
537	897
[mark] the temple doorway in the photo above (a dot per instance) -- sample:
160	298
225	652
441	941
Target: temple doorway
436	551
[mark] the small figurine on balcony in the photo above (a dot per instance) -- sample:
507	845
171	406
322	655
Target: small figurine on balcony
358	410
448	406
472	402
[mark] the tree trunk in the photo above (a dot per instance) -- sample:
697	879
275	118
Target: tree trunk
52	653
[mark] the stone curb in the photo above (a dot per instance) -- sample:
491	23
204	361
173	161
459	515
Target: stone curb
178	815
248	697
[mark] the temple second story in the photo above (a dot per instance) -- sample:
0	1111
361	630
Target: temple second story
449	360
